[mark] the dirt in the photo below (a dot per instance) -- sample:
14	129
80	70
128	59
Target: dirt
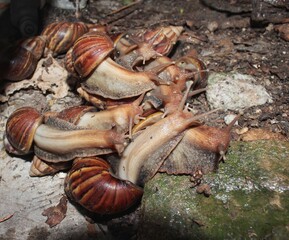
227	38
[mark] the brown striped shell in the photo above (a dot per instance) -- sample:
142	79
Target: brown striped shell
89	51
162	39
17	63
62	35
35	45
41	168
73	114
21	127
69	64
193	64
91	184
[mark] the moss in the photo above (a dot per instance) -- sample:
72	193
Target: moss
250	198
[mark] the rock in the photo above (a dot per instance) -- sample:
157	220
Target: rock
212	26
229	118
249	198
235	91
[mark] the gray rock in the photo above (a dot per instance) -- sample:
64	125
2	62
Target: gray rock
235	91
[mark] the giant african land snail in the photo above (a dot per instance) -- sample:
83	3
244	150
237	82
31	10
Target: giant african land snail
19	61
92	184
60	136
142	46
57	140
62	35
169	96
90	59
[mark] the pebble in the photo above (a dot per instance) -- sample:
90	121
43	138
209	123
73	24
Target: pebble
212	26
235	91
229	118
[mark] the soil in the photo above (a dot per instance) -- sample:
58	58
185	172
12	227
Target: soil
227	38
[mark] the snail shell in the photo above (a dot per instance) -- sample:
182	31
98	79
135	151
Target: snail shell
163	39
41	168
62	35
17	63
21	127
35	45
91	184
194	65
89	51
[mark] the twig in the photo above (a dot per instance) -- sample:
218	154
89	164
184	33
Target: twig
6	218
124	7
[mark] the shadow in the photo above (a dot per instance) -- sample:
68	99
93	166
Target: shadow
8	33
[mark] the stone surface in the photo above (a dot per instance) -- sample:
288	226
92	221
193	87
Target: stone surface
235	91
26	198
249	198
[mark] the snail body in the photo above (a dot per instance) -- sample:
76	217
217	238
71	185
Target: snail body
60	138
159	138
200	149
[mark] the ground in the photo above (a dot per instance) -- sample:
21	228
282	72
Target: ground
226	35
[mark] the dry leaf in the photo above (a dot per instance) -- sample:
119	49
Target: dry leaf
261	134
283	30
57	213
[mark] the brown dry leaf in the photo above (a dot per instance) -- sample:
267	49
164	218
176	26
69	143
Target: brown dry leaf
51	78
57	213
261	134
283	30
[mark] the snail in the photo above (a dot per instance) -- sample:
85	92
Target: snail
196	67
169	96
58	140
120	118
106	78
61	36
20	130
35	45
160	139
19	61
200	149
146	45
41	168
91	184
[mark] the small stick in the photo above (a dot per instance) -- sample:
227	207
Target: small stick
6	218
124	8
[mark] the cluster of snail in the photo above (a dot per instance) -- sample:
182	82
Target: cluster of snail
139	119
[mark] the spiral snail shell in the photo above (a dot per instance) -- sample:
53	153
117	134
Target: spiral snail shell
91	184
89	51
62	35
21	127
17	63
41	168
